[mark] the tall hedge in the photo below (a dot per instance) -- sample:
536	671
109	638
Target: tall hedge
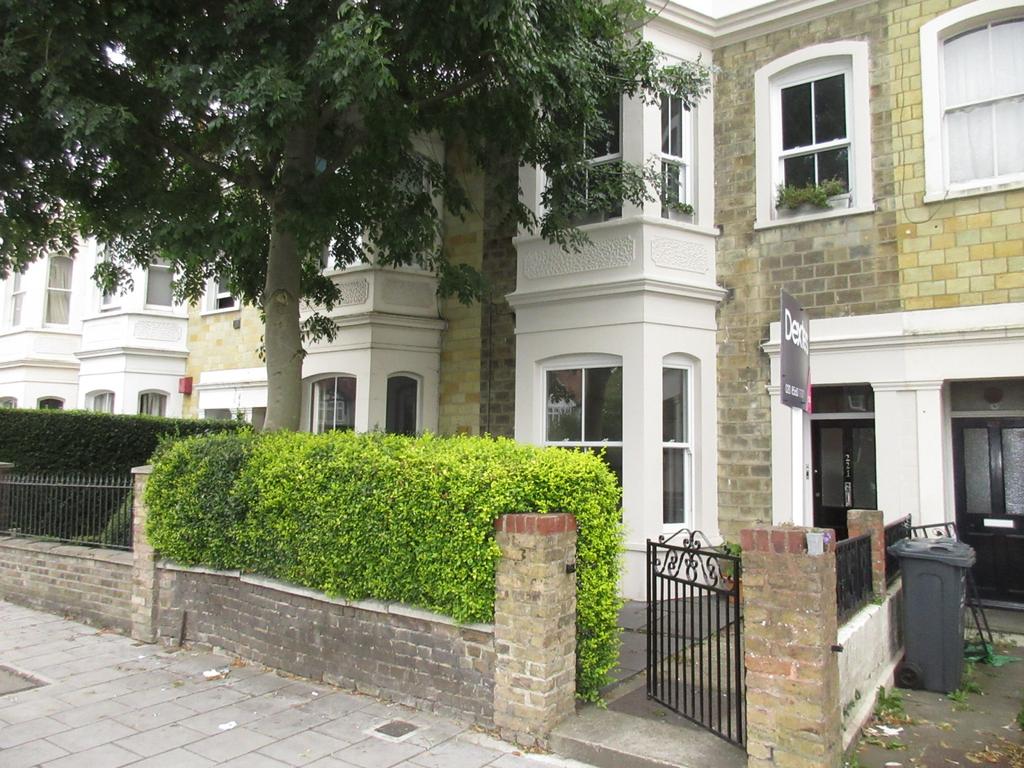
389	517
82	441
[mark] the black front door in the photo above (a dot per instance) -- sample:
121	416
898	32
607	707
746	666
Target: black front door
844	470
988	457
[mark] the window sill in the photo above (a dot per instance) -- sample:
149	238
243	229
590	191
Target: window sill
224	311
838	213
957	194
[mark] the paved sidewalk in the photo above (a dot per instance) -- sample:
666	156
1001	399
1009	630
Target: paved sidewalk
108	701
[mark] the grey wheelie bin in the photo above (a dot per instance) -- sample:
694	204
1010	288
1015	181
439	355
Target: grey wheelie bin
934	572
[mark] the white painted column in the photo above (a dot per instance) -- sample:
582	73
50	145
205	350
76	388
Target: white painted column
896	464
931	465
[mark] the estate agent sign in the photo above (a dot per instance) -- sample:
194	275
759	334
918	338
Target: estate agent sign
795	357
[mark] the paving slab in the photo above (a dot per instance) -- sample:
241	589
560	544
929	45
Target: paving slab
146	706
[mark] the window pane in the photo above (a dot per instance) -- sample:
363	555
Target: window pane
673	484
158	285
672	116
103	402
607	141
969	134
401	405
51	404
564	405
58	307
830	109
1013	470
830	464
8	402
334	402
796	116
1008	55
222	414
60	272
1009	117
603	404
152	403
674	427
612	456
865	486
799	170
965	63
16	301
834	164
673	178
666	121
977	480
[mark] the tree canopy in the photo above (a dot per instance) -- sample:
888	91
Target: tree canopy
245	138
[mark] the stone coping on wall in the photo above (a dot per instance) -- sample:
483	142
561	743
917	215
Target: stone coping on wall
114	556
372	606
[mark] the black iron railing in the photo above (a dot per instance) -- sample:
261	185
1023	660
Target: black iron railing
894	532
853	575
694	633
94	510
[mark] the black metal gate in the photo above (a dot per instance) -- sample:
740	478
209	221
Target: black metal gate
694	633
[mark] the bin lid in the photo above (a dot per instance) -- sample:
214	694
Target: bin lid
943	550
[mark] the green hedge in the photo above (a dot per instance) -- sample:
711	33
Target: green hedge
389	517
82	441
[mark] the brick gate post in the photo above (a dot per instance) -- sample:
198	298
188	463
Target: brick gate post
794	717
144	583
861	521
534	625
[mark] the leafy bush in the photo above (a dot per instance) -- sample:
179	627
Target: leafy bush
82	441
389	517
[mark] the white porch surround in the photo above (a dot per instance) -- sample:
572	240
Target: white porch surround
908	358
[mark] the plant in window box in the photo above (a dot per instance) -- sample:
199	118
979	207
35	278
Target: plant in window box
794	200
680	211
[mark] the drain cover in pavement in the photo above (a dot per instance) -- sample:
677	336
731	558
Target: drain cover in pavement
396	729
13	681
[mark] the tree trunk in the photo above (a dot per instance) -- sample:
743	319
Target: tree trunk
282	339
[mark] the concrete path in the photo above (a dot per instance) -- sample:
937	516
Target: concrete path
104	701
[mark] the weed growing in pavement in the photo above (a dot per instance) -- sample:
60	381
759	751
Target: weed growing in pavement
889	707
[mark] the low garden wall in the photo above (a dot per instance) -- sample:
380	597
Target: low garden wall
90	585
415	657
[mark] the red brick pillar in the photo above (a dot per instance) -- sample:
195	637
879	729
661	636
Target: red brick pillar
861	521
534	625
144	584
790	625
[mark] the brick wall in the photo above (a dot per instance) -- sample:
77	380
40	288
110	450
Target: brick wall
957	252
89	585
214	344
414	657
498	326
459	410
842	266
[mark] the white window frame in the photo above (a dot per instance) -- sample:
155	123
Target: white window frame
17	305
596	217
933	34
51	290
8	402
583	362
684	158
49	399
153	393
98	401
164	265
847	57
686	446
313	400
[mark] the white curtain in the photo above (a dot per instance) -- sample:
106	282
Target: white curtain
58	293
986	65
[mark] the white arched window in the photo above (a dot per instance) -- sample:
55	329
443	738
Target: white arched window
333	402
972	87
100	401
50	404
153	403
8	402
